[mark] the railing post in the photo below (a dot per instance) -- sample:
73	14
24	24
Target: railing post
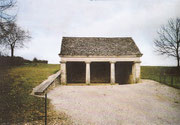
45	108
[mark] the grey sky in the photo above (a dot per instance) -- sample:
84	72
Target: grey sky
49	20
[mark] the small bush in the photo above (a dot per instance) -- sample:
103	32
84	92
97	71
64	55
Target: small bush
35	60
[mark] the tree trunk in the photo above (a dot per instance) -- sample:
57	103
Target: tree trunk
178	67
12	51
177	53
178	62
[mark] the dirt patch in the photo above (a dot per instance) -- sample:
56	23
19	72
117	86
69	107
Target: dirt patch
53	118
145	103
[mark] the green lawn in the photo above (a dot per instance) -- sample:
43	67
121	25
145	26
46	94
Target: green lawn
16	84
154	73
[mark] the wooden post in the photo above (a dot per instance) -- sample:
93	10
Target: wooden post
45	108
172	80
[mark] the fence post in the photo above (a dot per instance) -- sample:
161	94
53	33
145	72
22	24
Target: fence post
172	80
160	78
45	108
164	79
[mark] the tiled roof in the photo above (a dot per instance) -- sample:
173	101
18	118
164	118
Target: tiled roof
98	46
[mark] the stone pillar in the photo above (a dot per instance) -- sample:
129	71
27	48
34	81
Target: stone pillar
133	73
63	73
88	73
112	72
136	71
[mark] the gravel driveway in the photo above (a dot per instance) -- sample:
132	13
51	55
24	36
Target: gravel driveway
145	103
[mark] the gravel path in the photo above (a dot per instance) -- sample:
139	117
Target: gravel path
144	103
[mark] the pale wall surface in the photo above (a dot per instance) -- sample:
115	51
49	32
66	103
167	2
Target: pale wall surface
100	59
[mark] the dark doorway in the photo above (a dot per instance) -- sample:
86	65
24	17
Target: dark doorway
123	71
100	72
76	72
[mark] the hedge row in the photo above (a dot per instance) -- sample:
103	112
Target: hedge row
16	61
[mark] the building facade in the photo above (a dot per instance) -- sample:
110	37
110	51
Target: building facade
99	60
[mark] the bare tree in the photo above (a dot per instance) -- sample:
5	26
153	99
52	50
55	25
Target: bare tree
5	18
168	41
4	30
4	6
16	38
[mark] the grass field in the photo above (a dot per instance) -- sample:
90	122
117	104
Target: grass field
154	73
16	84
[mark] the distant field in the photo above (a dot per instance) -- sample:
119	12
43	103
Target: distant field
154	73
16	84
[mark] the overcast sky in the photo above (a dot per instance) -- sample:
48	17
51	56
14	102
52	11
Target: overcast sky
49	20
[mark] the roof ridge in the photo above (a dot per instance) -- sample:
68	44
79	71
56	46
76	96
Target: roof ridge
94	37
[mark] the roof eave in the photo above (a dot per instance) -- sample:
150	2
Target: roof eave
100	56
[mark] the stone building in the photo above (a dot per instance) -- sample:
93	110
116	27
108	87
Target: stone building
99	60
